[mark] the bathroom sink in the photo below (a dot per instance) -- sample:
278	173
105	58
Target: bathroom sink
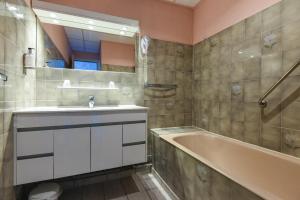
96	107
79	108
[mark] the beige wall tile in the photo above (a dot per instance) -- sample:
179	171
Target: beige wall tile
237	130
238	32
289	11
251	91
239	192
291	89
290	58
252	69
291	142
271	138
253	26
251	133
220	190
290	115
271	65
272	17
2	46
291	35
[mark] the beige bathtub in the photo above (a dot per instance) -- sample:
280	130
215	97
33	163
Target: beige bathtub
267	173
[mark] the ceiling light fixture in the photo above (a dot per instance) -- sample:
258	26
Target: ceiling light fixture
53	15
12	8
19	15
74	21
240	52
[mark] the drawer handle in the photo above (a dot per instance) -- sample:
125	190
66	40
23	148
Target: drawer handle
29	129
35	156
134	143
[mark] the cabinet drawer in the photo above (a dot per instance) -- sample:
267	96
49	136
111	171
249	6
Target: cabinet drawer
134	154
36	142
33	170
134	133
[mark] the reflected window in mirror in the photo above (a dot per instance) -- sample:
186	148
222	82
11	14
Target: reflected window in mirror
86	65
56	63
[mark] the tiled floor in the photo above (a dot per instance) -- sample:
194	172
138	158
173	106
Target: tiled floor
139	186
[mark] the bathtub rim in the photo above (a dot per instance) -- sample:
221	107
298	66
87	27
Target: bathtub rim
169	138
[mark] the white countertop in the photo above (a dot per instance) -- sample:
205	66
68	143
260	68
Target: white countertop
78	109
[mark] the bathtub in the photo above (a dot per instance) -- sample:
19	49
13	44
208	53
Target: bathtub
269	174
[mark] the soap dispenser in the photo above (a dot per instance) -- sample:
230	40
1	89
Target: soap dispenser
29	58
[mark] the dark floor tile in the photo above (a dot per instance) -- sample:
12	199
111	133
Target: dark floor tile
114	190
127	188
72	194
156	194
146	180
138	196
93	192
129	185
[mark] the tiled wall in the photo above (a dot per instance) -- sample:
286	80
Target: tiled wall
117	68
130	88
16	35
168	63
236	66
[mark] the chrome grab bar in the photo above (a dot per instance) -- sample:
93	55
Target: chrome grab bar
262	102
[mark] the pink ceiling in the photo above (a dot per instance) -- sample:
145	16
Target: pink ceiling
171	22
157	19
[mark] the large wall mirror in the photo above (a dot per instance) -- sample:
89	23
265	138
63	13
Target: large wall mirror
84	40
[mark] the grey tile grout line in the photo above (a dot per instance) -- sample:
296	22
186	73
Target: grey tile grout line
145	191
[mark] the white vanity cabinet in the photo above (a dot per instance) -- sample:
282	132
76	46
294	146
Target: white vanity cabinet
106	147
34	156
50	145
71	152
134	143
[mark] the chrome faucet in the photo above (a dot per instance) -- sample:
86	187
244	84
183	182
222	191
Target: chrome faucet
91	101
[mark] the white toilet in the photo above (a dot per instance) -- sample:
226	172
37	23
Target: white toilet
45	191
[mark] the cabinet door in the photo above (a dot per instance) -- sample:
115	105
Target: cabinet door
106	147
134	154
134	133
34	170
71	152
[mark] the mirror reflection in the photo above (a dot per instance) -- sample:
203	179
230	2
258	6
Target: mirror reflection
93	45
89	50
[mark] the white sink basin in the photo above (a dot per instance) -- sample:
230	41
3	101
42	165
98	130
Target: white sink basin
79	108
